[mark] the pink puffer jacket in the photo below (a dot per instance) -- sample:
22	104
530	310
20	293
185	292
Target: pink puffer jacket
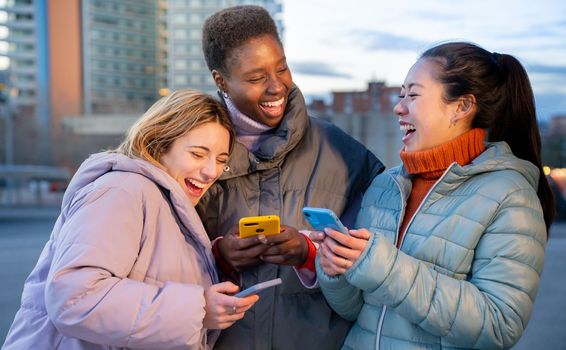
119	271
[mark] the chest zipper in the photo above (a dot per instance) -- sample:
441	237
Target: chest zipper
384	308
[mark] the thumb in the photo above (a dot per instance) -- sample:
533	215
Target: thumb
225	287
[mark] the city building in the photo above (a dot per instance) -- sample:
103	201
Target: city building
119	55
24	60
186	65
73	66
367	116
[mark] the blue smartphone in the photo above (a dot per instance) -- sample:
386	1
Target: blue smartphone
321	218
256	288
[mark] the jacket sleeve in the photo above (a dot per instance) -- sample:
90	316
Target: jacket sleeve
342	297
88	294
491	309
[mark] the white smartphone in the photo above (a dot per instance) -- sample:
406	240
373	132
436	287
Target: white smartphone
321	218
256	288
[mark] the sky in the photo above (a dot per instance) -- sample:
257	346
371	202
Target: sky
337	45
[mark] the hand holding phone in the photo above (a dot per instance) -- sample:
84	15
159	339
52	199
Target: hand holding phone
321	218
256	288
256	225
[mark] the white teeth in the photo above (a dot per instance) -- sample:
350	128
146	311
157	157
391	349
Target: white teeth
405	127
274	103
197	183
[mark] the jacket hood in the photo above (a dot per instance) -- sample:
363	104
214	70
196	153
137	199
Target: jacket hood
498	156
101	163
274	149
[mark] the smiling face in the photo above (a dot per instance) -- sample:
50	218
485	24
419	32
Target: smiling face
424	116
258	79
196	159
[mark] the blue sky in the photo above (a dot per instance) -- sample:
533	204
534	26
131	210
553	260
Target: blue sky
333	45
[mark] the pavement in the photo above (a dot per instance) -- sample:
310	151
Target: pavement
24	231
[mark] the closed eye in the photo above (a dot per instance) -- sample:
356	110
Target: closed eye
255	80
197	155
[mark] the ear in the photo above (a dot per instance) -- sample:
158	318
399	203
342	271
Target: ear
465	109
219	80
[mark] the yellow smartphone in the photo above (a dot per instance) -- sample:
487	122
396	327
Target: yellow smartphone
255	225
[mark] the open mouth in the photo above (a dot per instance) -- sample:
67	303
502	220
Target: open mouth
195	187
407	128
273	108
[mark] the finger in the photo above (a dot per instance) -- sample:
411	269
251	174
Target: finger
278	238
246	302
342	251
225	288
337	235
361	234
248	242
325	252
333	261
316	236
252	252
347	240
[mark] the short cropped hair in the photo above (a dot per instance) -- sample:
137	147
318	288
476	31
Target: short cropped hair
170	118
229	28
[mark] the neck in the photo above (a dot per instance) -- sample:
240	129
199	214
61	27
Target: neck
249	132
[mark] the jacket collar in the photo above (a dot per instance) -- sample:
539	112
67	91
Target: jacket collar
497	156
274	148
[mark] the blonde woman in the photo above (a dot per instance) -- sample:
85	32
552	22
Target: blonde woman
129	264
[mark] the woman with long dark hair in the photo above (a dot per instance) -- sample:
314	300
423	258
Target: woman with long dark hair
451	243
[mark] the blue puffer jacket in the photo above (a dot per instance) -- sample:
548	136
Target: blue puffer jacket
469	266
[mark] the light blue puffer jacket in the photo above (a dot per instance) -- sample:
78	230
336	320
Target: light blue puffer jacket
469	266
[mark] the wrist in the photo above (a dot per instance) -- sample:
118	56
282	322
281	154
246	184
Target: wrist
224	266
309	262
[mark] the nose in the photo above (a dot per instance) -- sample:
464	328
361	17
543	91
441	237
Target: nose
211	169
276	86
400	108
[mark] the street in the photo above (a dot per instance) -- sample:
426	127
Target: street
22	239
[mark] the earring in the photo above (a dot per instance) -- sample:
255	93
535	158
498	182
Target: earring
452	123
225	94
226	169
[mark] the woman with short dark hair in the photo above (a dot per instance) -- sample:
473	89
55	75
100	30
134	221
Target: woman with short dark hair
282	160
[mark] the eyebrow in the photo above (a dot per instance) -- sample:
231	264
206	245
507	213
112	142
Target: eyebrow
261	70
411	85
206	149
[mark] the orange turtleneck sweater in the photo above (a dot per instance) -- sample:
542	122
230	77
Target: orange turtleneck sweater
426	167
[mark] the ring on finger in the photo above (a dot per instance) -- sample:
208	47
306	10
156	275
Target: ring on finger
233	310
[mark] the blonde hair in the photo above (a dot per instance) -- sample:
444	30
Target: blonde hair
168	119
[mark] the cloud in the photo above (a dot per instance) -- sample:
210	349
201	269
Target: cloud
376	40
320	69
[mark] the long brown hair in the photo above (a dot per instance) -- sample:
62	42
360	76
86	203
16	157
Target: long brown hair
505	101
170	118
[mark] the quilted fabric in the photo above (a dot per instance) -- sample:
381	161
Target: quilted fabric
469	266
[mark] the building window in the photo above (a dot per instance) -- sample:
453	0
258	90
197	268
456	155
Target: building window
180	64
